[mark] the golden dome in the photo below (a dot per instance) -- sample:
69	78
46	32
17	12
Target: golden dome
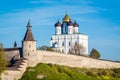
66	18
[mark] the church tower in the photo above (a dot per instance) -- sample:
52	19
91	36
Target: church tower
58	27
75	27
29	46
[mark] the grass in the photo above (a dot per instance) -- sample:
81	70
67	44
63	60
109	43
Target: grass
57	72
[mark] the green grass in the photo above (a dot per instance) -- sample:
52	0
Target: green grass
57	72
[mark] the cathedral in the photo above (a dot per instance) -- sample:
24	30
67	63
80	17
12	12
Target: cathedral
66	35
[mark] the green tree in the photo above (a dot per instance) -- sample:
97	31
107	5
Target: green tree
94	54
49	49
3	59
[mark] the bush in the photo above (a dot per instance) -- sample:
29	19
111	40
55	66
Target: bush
94	54
90	73
3	59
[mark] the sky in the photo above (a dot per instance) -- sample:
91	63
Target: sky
99	19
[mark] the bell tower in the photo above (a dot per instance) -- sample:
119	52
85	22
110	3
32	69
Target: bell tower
29	46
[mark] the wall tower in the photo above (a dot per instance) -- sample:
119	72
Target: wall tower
29	46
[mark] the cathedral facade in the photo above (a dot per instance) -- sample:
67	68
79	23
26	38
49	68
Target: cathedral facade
67	35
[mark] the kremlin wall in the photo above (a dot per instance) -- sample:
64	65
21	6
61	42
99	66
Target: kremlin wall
60	59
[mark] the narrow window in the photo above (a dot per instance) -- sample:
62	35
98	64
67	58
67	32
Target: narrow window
62	43
69	43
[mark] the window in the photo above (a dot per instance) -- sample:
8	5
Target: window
69	43
62	43
75	42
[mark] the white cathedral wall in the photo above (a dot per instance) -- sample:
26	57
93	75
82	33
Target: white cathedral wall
83	40
75	29
59	39
58	30
70	29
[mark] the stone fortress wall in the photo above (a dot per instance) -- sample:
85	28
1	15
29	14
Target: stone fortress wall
16	73
60	59
75	61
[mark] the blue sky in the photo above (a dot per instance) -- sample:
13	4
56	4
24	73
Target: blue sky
99	19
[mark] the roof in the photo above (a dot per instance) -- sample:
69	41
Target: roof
66	18
58	24
70	23
28	35
11	49
76	24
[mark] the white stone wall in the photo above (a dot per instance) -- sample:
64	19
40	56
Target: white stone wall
14	74
10	54
63	43
70	29
29	52
60	59
58	30
75	61
75	29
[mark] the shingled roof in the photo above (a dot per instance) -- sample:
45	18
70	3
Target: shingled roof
28	35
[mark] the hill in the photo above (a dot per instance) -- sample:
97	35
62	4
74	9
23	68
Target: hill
56	72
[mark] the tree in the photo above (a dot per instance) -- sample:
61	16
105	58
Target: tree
3	59
49	49
45	48
77	49
94	54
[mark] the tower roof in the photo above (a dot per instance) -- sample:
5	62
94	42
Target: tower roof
28	35
28	24
57	24
66	18
76	24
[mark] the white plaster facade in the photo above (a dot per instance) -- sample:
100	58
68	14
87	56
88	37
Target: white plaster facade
66	35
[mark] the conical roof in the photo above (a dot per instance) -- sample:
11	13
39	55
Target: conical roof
28	35
75	24
66	18
57	24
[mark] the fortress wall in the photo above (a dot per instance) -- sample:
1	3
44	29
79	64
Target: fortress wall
15	74
10	54
75	61
60	59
